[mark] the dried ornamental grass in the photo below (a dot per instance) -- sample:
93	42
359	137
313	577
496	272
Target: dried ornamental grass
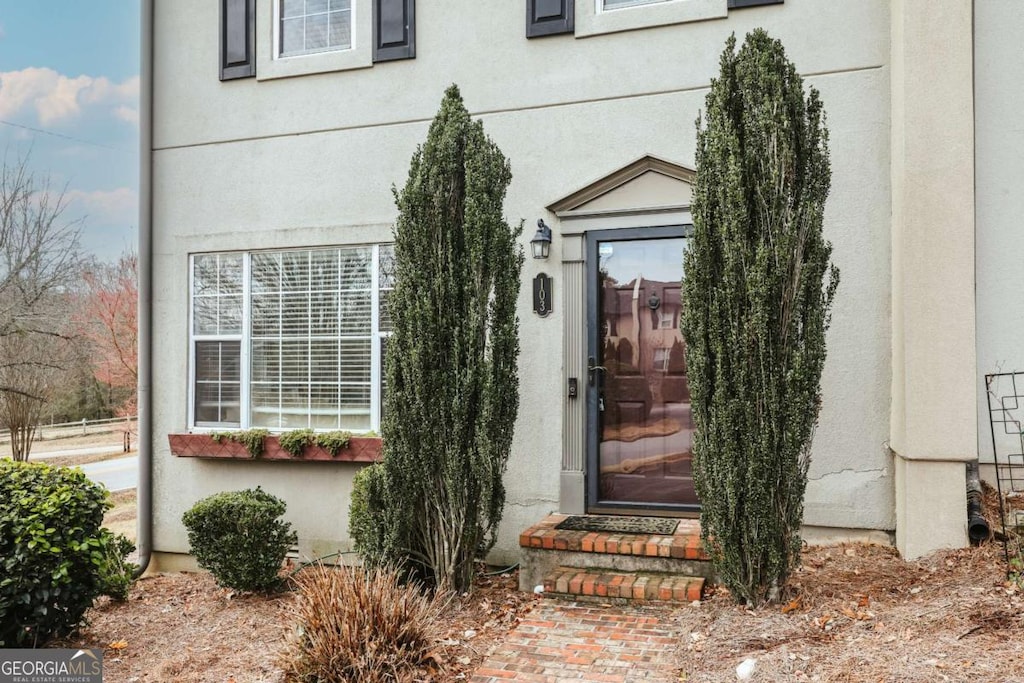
360	625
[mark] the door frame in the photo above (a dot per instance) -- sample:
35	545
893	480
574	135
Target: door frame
592	503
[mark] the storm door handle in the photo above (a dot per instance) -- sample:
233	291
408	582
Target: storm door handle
595	373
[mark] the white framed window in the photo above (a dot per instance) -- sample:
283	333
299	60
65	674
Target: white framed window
309	26
666	320
312	36
598	17
289	339
661	355
619	4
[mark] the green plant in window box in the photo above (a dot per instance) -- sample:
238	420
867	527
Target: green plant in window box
252	439
333	441
295	441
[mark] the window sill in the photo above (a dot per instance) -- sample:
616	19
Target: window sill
360	449
591	22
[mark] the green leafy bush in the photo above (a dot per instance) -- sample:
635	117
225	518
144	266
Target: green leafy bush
366	512
759	290
450	408
356	625
55	555
238	537
116	573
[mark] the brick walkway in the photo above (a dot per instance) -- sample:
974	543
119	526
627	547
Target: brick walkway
564	641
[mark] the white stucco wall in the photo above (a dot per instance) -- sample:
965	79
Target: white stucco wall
311	160
999	177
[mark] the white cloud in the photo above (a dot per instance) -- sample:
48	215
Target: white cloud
103	90
128	114
55	97
120	205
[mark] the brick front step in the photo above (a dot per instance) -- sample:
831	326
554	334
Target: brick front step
633	586
684	544
545	550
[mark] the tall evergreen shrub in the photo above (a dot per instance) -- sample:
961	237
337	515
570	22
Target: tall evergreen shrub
758	291
452	382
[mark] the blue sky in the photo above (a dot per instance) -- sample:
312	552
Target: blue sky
69	91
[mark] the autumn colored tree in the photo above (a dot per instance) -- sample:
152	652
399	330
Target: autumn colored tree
108	319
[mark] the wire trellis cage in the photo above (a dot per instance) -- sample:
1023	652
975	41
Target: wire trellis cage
1005	394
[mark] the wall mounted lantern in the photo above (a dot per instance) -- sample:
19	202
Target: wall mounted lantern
541	242
654	302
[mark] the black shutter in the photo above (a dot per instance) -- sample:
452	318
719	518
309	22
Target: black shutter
740	4
394	29
237	39
549	17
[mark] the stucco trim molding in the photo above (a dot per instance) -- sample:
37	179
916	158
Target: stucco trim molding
569	206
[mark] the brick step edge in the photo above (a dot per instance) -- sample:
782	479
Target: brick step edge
678	546
637	586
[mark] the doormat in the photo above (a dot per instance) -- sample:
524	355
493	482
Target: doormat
619	525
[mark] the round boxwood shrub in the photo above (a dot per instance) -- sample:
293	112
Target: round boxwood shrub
238	537
55	555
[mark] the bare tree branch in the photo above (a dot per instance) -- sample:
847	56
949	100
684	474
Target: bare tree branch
39	263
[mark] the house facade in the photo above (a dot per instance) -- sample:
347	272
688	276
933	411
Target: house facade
278	129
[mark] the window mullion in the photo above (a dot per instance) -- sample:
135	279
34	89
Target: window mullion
338	289
375	359
309	339
191	343
245	369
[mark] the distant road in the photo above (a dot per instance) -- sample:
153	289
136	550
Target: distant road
85	450
117	475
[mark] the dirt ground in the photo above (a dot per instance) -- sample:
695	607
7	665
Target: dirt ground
858	613
121	519
861	614
183	627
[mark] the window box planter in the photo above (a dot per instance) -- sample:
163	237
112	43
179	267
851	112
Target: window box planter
360	449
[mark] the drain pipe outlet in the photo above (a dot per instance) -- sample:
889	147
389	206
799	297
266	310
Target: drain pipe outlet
145	317
977	526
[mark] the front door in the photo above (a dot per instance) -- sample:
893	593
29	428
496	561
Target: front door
639	421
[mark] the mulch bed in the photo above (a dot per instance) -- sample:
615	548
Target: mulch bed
183	627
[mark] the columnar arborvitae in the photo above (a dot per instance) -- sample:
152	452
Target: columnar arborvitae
451	370
758	292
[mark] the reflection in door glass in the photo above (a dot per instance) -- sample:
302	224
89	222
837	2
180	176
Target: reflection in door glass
645	422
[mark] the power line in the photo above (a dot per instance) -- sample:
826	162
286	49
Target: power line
61	135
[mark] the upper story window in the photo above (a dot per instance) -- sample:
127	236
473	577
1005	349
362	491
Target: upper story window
311	26
596	17
616	4
328	35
